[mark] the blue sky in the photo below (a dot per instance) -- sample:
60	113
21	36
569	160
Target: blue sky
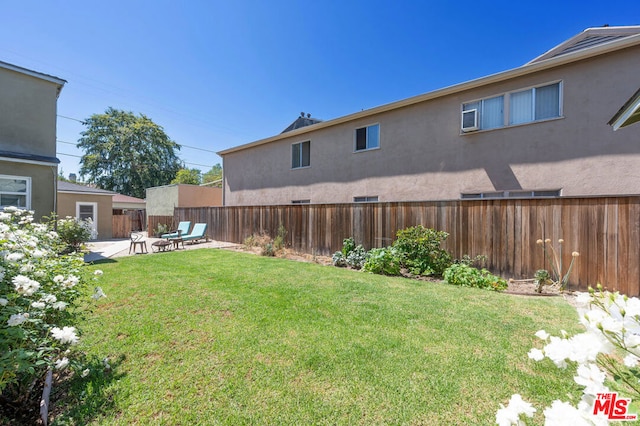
216	74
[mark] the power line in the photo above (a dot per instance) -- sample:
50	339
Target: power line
69	155
185	146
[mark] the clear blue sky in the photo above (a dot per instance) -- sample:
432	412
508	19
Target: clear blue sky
216	74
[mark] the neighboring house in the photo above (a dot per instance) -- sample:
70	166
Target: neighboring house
161	201
539	130
85	202
28	163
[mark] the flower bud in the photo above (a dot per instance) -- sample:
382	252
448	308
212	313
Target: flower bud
548	240
575	254
560	241
539	242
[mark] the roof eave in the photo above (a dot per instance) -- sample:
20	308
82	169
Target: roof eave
56	80
461	87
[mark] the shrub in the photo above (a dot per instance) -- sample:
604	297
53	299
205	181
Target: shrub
357	257
468	276
348	245
268	250
278	242
384	261
160	229
73	233
420	251
41	301
338	259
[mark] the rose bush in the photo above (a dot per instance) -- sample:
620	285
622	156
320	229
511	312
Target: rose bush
605	357
43	297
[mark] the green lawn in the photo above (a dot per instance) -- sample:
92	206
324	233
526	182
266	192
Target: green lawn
217	337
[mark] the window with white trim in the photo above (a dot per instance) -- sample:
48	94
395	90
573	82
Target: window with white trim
513	108
366	199
367	137
300	155
15	191
512	194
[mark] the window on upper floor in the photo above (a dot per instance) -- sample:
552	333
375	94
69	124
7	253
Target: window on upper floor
367	137
366	199
513	108
300	155
15	191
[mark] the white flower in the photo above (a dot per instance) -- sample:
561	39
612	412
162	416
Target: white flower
49	298
16	319
58	279
38	305
61	306
536	354
65	335
563	413
97	272
541	334
585	347
98	293
510	414
71	281
3	301
591	378
25	285
558	350
630	360
14	257
85	372
61	363
38	253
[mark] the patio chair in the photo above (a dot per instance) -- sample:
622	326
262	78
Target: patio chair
183	229
137	240
197	233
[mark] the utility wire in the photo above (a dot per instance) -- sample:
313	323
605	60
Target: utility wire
186	146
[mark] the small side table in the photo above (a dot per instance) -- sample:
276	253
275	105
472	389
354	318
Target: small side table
176	242
162	245
141	244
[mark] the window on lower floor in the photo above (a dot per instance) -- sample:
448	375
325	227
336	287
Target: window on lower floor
368	137
511	194
300	155
366	199
15	191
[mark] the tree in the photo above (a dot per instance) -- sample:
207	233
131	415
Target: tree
126	153
189	176
213	175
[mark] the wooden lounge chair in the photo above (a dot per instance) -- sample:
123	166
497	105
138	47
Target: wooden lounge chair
183	229
197	233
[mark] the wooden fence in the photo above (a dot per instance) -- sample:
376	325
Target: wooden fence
124	223
604	230
153	221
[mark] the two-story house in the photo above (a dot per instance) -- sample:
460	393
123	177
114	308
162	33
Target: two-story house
539	130
28	163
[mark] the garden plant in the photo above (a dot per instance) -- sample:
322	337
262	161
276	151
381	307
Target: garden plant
44	295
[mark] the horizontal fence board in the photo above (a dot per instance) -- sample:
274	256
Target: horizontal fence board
604	230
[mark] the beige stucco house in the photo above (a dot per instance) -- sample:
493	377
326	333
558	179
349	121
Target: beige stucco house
84	202
161	200
539	130
28	163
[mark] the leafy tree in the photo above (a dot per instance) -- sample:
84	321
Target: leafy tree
189	176
126	153
213	175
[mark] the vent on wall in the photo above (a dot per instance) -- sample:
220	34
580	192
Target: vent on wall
470	120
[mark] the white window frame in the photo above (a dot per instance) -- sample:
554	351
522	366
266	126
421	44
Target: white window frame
301	166
27	179
94	230
366	199
506	108
367	147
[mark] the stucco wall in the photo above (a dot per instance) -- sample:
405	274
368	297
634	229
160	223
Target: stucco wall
67	207
162	199
424	156
27	114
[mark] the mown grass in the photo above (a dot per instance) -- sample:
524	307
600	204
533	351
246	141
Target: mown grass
217	337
